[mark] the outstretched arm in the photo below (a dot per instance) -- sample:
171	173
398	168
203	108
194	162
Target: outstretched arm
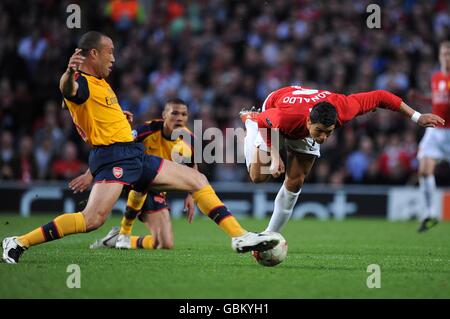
425	120
369	101
67	83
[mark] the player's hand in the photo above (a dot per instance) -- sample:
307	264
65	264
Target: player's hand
76	60
129	116
430	120
81	183
189	207
276	167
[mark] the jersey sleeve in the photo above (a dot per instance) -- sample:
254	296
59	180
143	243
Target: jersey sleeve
361	103
140	132
82	93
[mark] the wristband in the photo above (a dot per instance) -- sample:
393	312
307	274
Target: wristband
415	117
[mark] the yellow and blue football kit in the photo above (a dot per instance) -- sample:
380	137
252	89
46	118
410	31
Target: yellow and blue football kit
178	148
116	158
99	119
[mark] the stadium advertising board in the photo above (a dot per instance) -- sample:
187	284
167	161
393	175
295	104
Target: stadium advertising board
248	200
243	199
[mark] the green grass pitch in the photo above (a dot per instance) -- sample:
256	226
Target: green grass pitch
326	259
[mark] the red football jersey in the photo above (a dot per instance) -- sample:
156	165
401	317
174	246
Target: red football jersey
440	96
288	108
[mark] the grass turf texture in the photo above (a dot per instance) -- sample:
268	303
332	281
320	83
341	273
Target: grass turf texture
325	260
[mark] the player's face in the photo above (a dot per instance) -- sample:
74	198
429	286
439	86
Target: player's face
444	57
175	116
105	57
319	132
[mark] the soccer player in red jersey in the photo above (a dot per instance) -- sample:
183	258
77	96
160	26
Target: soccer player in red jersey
305	118
435	144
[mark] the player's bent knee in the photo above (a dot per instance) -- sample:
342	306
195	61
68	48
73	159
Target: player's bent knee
198	181
94	223
294	184
94	220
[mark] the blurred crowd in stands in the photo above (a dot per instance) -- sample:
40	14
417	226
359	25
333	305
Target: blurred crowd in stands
218	56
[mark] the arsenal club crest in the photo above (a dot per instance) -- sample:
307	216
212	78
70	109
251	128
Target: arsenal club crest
117	172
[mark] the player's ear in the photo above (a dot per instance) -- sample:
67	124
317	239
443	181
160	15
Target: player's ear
93	52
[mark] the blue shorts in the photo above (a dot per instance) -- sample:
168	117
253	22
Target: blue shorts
124	163
154	203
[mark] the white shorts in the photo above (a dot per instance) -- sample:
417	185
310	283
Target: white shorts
435	144
302	145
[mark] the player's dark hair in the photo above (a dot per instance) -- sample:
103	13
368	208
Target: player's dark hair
176	101
323	113
90	40
444	44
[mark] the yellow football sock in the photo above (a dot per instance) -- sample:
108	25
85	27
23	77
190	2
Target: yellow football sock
126	225
142	242
61	226
135	202
210	205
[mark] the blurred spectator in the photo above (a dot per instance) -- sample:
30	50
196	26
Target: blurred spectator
135	103
165	80
125	12
68	166
393	80
359	161
32	48
395	161
50	128
6	155
222	55
44	154
24	164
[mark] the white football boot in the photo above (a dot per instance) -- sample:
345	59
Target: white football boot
254	241
12	250
123	242
109	241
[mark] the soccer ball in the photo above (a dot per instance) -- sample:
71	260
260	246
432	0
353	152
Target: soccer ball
274	256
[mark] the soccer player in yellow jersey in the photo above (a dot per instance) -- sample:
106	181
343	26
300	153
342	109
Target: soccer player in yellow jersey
116	160
170	139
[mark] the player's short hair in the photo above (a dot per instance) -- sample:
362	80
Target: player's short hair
445	44
323	113
175	101
90	40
